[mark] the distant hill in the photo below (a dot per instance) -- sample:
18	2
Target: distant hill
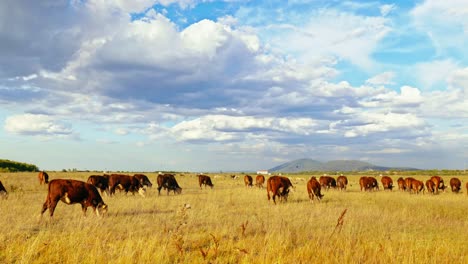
334	165
14	166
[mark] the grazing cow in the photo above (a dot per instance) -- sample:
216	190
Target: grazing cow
144	181
455	185
430	186
401	184
278	186
313	188
417	186
168	181
408	183
43	177
387	183
248	181
259	181
368	183
439	183
126	183
71	192
204	180
101	182
342	182
326	182
3	191
467	188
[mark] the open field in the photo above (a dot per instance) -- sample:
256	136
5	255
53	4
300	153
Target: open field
235	224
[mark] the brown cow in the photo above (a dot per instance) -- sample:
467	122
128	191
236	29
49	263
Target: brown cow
313	188
126	183
43	177
204	180
467	188
368	183
101	182
71	192
3	191
439	183
455	185
430	186
279	186
248	181
326	182
417	186
408	183
259	181
168	181
401	184
144	181
387	183
342	182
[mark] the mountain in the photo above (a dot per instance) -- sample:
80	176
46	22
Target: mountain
334	165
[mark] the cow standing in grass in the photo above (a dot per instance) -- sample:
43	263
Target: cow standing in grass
168	181
278	186
401	184
455	185
204	180
259	181
3	191
387	183
43	177
313	189
342	182
248	180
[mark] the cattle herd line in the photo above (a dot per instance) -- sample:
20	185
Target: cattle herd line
87	193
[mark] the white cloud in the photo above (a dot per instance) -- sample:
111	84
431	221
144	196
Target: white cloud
35	124
384	78
434	74
386	9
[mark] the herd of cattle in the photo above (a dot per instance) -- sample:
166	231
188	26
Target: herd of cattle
87	193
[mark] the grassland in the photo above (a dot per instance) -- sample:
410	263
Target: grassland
235	224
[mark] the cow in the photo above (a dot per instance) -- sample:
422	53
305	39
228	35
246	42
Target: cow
467	188
71	192
342	182
326	182
168	181
430	186
144	181
408	183
248	181
43	177
259	181
3	191
101	182
126	183
455	185
278	186
439	183
401	184
368	183
313	188
387	183
417	186
204	180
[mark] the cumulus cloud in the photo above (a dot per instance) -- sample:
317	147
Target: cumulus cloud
36	124
384	78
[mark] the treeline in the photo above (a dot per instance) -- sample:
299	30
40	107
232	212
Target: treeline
15	166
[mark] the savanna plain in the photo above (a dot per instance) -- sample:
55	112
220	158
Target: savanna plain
234	224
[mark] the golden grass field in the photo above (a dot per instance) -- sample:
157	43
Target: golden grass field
234	224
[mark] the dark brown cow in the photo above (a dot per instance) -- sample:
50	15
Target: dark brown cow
248	180
342	182
408	183
326	182
126	183
430	186
71	192
204	180
278	186
455	185
144	181
168	181
387	183
259	181
439	183
43	177
101	182
3	191
401	184
467	188
368	183
417	186
313	188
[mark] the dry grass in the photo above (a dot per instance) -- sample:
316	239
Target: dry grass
234	224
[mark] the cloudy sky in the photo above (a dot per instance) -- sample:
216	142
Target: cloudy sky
206	85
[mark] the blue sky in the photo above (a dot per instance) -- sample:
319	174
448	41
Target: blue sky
233	85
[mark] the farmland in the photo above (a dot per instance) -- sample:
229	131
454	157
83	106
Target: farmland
234	224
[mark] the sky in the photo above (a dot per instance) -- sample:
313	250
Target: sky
206	85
